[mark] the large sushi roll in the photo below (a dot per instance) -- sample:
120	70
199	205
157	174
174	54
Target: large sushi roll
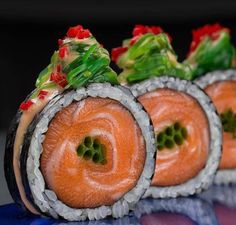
80	146
187	127
212	59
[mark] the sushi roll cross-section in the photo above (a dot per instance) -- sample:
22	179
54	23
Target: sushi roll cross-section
213	60
187	128
68	150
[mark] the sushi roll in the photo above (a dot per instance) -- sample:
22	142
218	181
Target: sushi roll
212	58
187	127
68	150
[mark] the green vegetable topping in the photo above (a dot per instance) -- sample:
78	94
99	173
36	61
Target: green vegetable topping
228	119
79	61
211	49
171	136
150	55
92	149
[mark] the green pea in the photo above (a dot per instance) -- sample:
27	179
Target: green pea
169	143
160	137
88	142
88	154
169	131
178	139
229	113
184	132
96	157
177	126
80	150
96	145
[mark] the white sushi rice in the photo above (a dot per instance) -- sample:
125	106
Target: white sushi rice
197	210
223	176
47	200
206	176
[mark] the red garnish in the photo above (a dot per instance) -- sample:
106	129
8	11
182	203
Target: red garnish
63	51
59	79
41	97
116	52
60	42
58	68
133	40
140	30
78	32
211	31
26	105
43	92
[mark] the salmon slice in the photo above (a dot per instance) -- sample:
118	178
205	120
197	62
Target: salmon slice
81	183
182	162
223	95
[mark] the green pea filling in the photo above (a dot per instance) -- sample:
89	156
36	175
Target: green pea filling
228	119
171	136
92	149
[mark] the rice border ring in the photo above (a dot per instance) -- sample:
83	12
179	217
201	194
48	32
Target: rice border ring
46	199
206	176
224	176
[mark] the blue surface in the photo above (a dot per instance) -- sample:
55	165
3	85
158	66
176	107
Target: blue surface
214	207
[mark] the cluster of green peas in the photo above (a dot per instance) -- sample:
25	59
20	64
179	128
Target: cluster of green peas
92	149
171	136
228	119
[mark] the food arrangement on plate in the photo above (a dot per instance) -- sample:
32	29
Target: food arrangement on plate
89	143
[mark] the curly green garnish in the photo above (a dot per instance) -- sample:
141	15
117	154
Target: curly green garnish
211	49
80	60
150	55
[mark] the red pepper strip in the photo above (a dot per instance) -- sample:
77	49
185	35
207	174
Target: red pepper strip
42	92
26	105
83	34
134	40
58	79
60	42
140	30
211	31
78	32
58	68
116	52
155	29
72	32
63	51
41	97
